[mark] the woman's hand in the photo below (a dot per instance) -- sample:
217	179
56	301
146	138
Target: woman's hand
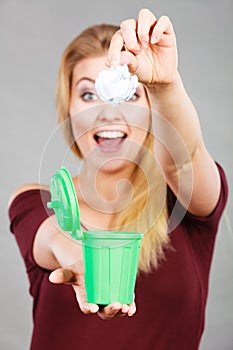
150	48
56	251
74	275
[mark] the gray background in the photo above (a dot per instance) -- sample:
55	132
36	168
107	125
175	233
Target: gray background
33	35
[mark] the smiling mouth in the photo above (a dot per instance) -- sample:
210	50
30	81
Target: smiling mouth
109	140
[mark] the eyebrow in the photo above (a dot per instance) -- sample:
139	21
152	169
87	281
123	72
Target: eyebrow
84	78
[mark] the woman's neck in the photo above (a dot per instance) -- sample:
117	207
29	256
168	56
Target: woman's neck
106	191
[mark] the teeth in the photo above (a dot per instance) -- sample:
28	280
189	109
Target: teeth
110	134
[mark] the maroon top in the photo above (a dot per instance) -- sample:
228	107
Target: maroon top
170	301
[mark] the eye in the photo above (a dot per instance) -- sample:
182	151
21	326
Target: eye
134	97
89	96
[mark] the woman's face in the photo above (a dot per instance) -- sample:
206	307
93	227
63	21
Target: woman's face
107	136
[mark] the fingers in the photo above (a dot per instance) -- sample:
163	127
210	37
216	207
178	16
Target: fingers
116	309
89	308
146	21
115	48
109	311
63	275
152	31
69	276
132	309
137	35
118	57
85	307
129	34
163	26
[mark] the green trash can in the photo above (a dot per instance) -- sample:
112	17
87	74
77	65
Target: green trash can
110	257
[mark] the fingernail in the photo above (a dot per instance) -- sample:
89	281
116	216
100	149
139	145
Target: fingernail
144	44
138	50
94	308
154	39
131	313
115	308
114	61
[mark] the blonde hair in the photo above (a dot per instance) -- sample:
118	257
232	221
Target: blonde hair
147	212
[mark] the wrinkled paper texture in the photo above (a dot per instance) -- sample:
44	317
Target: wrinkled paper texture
116	85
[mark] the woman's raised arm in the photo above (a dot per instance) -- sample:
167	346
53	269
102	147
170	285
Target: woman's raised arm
151	53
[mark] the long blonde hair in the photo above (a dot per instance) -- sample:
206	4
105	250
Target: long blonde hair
147	212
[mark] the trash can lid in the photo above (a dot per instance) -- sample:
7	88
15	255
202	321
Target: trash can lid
64	202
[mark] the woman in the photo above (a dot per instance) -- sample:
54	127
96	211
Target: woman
176	196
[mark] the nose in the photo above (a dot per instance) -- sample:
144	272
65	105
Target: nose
109	113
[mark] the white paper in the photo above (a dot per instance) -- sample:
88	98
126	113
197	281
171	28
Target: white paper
116	85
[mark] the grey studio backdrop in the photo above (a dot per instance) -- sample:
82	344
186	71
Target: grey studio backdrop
33	35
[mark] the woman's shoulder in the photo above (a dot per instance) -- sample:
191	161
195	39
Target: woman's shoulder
26	188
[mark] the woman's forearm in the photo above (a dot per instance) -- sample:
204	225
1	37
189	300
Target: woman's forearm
53	249
179	148
175	123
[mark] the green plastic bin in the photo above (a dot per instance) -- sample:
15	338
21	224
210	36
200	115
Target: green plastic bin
110	257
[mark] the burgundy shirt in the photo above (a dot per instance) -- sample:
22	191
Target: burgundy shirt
170	301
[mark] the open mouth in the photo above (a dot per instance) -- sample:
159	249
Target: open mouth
110	140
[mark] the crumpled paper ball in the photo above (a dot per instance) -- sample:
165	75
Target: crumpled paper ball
116	85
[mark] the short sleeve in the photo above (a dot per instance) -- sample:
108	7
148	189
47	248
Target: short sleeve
211	221
201	231
27	212
178	214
